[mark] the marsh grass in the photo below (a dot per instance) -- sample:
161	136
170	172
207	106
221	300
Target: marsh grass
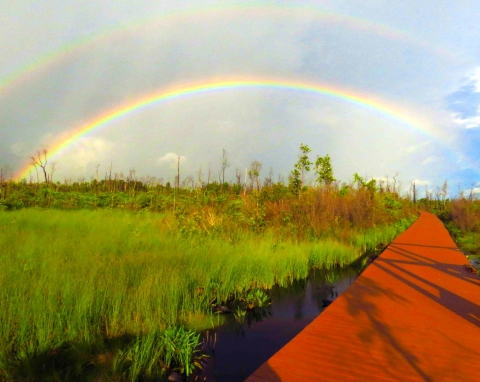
256	298
98	291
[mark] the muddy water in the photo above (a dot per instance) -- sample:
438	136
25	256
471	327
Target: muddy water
237	350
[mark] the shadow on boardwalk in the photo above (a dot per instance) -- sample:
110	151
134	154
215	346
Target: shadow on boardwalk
360	303
449	300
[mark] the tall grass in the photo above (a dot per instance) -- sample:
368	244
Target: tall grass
90	277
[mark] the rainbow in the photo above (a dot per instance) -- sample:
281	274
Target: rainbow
188	15
181	91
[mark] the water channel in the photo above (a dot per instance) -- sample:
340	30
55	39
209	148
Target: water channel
236	350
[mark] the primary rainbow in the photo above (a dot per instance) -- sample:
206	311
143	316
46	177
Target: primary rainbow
367	101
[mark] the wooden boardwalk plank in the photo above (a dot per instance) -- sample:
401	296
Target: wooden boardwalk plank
412	315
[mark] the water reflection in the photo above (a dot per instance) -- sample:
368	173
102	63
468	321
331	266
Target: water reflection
241	346
252	316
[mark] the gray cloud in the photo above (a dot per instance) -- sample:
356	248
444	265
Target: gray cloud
266	125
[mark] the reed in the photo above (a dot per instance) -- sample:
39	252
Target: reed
109	289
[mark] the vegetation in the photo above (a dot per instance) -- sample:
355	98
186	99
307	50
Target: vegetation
114	279
462	218
112	282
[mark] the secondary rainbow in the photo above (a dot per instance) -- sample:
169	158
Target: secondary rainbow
181	91
191	14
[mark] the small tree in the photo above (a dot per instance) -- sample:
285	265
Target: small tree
324	171
297	179
254	174
295	183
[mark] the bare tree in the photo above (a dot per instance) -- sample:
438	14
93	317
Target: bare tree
387	184
188	180
225	164
426	196
444	192
41	162
381	182
395	182
109	176
269	179
414	188
178	172
53	167
238	175
3	181
110	173
438	192
96	172
245	181
472	191
199	177
132	177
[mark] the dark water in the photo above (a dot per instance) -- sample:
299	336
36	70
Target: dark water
236	350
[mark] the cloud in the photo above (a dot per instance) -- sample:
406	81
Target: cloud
430	159
417	147
475	78
90	150
467	123
20	149
465	102
171	159
83	156
421	182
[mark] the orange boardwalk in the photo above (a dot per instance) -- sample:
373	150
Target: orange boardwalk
413	315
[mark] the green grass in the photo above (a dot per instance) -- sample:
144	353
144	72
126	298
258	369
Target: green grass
96	291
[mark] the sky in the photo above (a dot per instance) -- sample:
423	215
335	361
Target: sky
384	89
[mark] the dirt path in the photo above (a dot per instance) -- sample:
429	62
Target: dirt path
413	315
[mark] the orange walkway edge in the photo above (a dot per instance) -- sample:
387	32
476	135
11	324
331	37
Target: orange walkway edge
412	315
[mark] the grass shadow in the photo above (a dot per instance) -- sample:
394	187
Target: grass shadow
102	359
